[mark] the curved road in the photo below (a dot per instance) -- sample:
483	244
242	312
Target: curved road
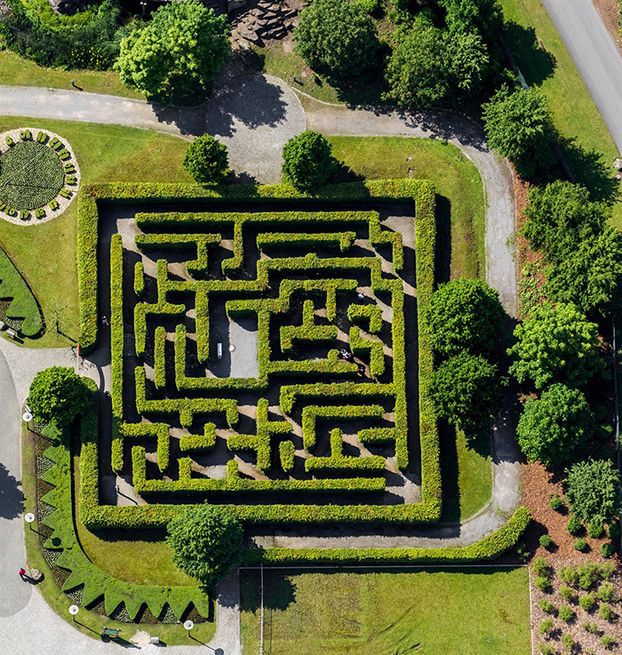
254	116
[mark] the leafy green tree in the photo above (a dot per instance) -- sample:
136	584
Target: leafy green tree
207	160
486	15
308	161
518	125
466	391
206	542
466	314
337	39
590	276
560	216
552	426
58	395
428	65
555	344
594	491
175	56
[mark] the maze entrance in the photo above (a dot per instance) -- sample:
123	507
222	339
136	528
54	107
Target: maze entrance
265	356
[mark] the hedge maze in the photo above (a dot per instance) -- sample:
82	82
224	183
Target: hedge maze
266	354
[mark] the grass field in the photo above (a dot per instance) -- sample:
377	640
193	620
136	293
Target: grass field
574	112
19	71
431	612
46	254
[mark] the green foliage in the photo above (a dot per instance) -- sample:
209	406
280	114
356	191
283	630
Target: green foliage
206	541
593	490
547	649
566	613
207	160
466	314
175	56
87	39
591	627
606	612
552	426
466	391
518	125
574	526
568	593
542	568
595	529
546	542
543	584
581	545
546	626
337	39
555	344
608	642
557	503
308	161
607	550
606	592
22	312
547	606
58	395
429	66
484	15
587	602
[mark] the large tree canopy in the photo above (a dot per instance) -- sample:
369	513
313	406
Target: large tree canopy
466	391
561	216
337	39
555	344
466	314
518	125
551	427
206	542
57	395
175	56
486	15
593	489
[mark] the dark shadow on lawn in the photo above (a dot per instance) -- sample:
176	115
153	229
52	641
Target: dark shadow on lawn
279	590
442	262
535	63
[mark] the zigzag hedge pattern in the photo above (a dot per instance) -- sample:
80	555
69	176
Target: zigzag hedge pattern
319	261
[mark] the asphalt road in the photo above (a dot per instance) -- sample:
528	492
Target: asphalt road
595	55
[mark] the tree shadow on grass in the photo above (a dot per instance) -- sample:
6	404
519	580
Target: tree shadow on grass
279	590
535	63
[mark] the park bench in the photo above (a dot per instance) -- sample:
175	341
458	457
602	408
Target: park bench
11	333
112	633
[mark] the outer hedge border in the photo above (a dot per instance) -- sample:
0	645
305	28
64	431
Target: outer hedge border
156	516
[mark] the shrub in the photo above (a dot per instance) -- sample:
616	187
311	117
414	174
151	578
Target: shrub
556	344
567	642
543	584
568	593
608	642
587	602
466	391
614	531
569	575
542	568
337	39
557	503
546	542
547	606
58	395
593	490
175	56
566	613
606	592
581	545
595	529
308	162
606	612
587	575
591	627
552	426
206	542
465	314
607	550
518	125
546	626
574	526
547	649
207	160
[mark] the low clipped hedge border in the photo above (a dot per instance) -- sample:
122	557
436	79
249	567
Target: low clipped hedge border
157	516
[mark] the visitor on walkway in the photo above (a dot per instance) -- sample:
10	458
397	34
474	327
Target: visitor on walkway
23	575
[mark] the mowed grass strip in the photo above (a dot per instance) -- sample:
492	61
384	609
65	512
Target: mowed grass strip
474	611
46	254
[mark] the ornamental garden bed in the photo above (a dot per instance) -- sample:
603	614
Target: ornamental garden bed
39	175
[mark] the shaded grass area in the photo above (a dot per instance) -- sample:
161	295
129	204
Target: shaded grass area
19	71
46	254
433	612
89	623
589	148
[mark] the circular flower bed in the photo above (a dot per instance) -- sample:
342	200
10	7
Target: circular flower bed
39	175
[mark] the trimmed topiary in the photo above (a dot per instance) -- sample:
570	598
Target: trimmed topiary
207	160
308	161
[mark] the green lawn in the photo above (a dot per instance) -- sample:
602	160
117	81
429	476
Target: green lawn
432	612
19	71
45	254
574	112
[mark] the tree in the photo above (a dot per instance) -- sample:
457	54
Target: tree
308	161
485	15
206	542
206	160
591	276
467	60
466	391
175	56
518	125
466	314
337	39
555	344
561	216
58	395
594	491
551	427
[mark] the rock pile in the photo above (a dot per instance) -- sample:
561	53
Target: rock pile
266	20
